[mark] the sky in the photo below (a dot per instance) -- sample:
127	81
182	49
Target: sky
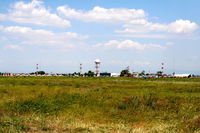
59	35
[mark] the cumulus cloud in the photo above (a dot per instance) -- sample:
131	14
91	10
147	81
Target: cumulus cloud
182	26
41	37
27	31
33	13
135	21
128	44
143	26
100	14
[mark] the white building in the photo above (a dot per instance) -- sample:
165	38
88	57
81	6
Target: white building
115	74
182	75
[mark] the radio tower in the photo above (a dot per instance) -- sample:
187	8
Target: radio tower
97	66
81	69
162	68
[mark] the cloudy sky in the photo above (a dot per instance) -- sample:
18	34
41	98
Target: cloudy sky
59	35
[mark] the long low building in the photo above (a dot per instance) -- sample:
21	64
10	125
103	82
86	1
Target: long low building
182	75
115	74
105	74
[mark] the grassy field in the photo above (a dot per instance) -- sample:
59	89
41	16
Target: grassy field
62	104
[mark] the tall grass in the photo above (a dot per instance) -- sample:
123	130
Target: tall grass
62	104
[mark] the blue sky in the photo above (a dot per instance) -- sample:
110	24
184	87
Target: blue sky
59	35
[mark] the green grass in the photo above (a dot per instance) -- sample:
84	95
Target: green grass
62	104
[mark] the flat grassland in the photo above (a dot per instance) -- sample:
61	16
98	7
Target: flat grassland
80	104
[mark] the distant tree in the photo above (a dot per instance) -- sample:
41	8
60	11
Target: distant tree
173	73
125	72
74	74
40	72
90	74
85	74
79	74
142	73
70	75
64	74
159	73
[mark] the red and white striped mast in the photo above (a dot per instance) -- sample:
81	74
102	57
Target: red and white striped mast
97	66
81	69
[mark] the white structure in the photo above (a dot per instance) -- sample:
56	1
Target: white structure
182	75
162	68
97	67
81	69
115	74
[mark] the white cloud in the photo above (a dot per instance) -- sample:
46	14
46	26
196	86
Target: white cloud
182	26
128	44
135	22
144	35
100	14
26	31
143	26
42	37
13	47
33	13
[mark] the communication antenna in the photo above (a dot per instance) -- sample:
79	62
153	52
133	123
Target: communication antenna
37	68
81	68
162	68
97	66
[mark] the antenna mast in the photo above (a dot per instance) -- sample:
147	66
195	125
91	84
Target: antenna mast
81	68
37	68
162	68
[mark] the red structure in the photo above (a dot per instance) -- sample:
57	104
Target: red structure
97	66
